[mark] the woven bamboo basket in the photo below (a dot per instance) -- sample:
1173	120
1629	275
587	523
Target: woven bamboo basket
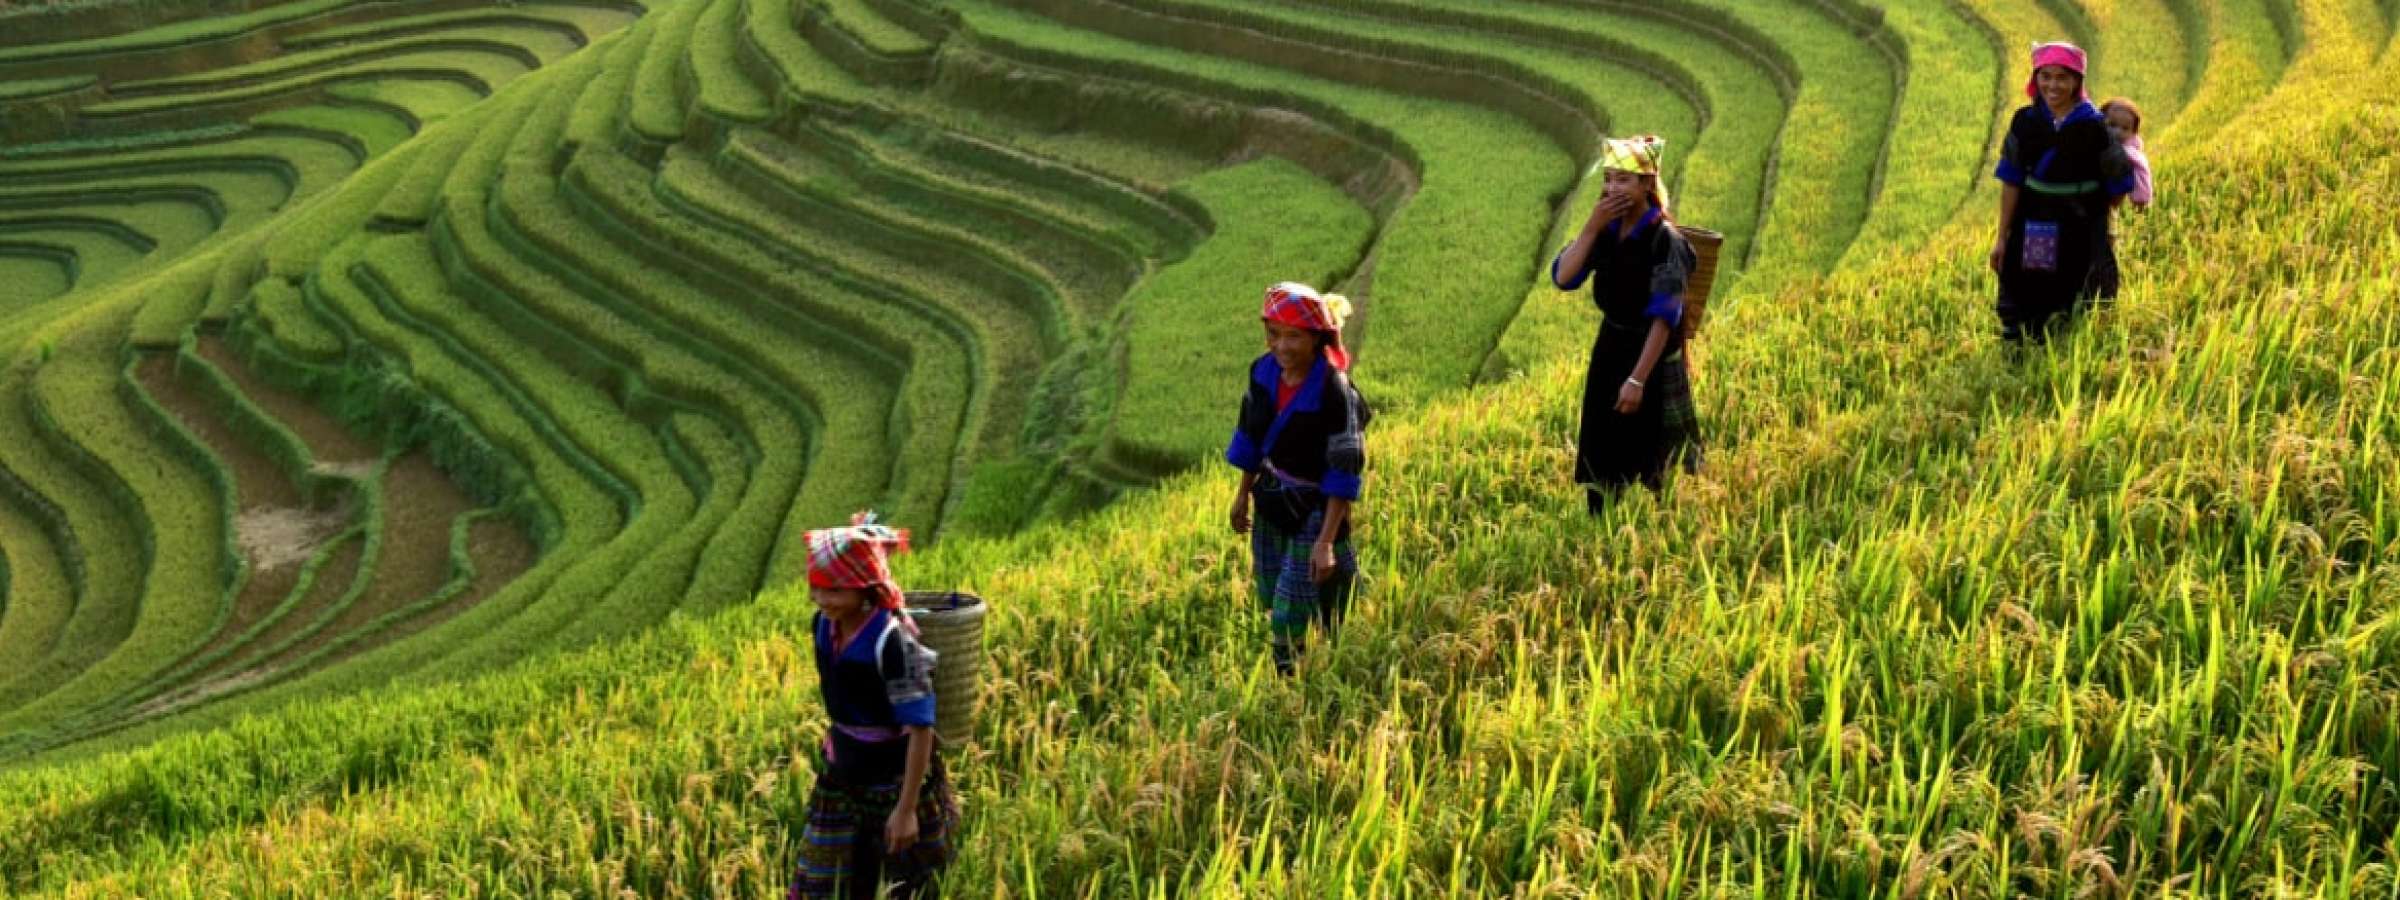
950	623
1705	244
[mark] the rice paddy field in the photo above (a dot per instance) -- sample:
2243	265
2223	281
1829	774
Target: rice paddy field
410	412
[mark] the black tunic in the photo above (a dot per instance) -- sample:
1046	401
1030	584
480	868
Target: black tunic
1305	454
2059	253
1636	280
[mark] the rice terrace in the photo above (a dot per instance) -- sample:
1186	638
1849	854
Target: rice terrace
419	416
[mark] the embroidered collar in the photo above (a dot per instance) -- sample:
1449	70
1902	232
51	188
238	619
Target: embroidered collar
1266	372
2083	110
1641	226
875	623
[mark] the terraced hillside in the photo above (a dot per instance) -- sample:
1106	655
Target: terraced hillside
425	361
652	299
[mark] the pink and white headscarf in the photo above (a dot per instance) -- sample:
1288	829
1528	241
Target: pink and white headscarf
2064	55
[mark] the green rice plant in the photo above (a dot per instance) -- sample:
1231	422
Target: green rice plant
257	463
1848	94
1194	323
1944	137
1048	187
94	530
404	278
2245	60
37	270
90	251
116	143
376	131
594	505
37	88
166	317
1741	89
559	293
1089	265
1438	284
422	101
661	93
166	36
595	121
826	29
1111	127
237	196
289	323
44	578
578	22
2141	55
909	470
876	31
725	89
546	312
481	67
165	480
774	50
529	46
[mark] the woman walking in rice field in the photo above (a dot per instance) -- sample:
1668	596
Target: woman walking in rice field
882	812
1638	417
1300	443
2060	173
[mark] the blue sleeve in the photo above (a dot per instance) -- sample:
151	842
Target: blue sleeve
1242	453
1667	308
1342	484
1570	283
907	668
2009	171
1670	277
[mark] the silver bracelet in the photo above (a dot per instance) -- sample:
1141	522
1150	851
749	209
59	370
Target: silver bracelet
1636	382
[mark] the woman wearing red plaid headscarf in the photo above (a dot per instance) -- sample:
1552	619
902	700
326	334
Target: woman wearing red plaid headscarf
1301	446
882	811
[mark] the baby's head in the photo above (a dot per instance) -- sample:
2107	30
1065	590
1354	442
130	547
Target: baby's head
2124	118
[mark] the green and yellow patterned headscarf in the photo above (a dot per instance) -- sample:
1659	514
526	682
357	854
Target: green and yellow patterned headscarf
1640	155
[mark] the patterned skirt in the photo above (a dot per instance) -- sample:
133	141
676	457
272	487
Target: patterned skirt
842	852
1281	574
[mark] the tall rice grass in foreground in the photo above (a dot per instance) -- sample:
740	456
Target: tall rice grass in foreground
2119	618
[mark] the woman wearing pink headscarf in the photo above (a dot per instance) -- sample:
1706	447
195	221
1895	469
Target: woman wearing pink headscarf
2060	174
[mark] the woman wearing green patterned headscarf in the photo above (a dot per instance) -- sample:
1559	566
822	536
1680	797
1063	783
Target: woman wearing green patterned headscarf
1638	417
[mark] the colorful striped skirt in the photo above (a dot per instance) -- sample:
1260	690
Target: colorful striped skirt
842	852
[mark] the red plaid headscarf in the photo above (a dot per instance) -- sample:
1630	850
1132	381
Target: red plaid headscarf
857	556
2062	54
1298	305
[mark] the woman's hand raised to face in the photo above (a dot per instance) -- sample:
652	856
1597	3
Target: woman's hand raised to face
1612	206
